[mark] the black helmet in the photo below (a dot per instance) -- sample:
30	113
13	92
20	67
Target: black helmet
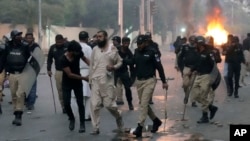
117	38
83	35
200	39
148	35
191	38
14	33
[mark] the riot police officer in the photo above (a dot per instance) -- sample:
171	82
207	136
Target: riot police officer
188	55
122	76
234	58
146	58
201	86
117	42
17	56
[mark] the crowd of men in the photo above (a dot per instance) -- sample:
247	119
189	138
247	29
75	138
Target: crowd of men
94	69
97	71
197	60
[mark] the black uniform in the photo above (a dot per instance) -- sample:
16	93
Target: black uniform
123	73
155	46
205	62
55	52
234	58
144	60
188	55
246	44
17	57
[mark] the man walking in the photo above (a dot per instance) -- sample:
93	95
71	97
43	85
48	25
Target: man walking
146	61
17	56
105	60
72	80
202	86
87	50
31	97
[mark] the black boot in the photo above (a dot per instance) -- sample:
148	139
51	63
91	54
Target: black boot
213	110
204	118
194	104
18	118
156	124
130	106
71	125
236	94
82	128
138	131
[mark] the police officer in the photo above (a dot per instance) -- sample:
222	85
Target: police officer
56	51
225	47
31	98
188	55
117	42
146	58
179	63
122	74
154	46
201	86
215	74
234	58
17	56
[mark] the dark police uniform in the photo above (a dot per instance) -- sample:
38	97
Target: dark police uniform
56	52
16	58
201	86
122	75
188	55
234	58
146	61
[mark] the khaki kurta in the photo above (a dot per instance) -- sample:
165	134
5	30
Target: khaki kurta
102	84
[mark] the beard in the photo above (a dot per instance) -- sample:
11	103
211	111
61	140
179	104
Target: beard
101	44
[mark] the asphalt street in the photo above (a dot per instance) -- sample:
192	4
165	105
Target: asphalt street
43	124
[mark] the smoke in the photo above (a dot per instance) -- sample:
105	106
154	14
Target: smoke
187	15
214	9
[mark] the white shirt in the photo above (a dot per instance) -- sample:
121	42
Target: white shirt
87	50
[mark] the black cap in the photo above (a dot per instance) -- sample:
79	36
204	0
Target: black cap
83	35
15	33
125	39
117	38
141	39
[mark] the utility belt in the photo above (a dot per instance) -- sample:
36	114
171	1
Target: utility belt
15	72
144	78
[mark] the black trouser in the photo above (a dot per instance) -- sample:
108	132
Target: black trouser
79	99
126	81
234	71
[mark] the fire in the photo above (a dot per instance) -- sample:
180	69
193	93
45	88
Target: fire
216	29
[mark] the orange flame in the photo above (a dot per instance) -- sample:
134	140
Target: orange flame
216	29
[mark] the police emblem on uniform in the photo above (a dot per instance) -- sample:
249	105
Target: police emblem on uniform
157	58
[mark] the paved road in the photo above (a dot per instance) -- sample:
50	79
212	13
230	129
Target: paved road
44	125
